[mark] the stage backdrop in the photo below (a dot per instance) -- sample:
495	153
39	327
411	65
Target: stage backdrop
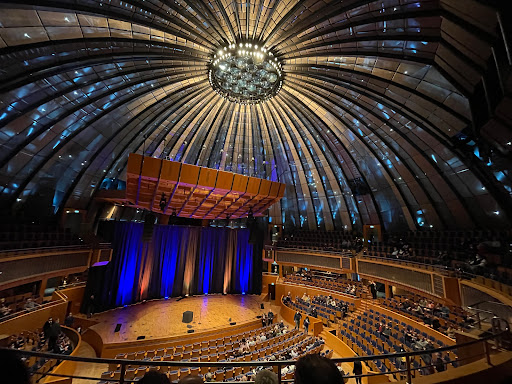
179	260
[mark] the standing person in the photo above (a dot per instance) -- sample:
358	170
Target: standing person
90	307
297	318
47	327
53	336
270	317
358	370
306	324
373	289
263	320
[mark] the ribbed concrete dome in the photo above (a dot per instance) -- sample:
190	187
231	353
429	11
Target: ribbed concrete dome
373	124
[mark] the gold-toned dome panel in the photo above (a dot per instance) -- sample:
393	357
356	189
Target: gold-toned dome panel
378	114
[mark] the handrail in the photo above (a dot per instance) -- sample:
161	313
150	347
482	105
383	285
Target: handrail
442	269
57	248
245	363
27	311
487	301
278	363
347	253
71	285
439	268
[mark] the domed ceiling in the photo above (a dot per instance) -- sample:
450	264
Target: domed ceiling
376	98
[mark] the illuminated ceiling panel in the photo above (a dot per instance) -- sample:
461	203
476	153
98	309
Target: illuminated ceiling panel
366	128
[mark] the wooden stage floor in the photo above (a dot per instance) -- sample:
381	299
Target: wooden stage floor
162	318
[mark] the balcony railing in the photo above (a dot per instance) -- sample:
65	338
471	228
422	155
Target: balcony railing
483	348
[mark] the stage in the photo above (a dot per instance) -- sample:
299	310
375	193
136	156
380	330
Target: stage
162	318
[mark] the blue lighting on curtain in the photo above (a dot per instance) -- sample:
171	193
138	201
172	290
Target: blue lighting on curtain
243	260
166	240
179	260
128	247
206	258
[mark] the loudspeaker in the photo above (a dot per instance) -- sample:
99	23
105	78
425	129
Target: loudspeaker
232	323
118	327
141	337
262	306
190	331
188	316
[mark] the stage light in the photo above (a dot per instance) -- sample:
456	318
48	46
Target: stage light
166	297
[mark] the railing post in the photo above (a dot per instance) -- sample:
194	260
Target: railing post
121	377
278	373
408	366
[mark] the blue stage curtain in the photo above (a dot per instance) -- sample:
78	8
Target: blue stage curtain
125	269
180	260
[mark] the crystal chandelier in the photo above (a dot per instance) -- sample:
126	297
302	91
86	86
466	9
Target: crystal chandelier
245	73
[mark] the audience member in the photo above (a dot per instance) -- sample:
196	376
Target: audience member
153	377
306	324
314	369
265	376
357	371
439	363
30	304
69	320
47	327
297	318
190	379
13	368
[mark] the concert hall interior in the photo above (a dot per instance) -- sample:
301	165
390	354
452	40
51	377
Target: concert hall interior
304	191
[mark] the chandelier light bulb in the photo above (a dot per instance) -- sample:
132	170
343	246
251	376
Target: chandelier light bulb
245	75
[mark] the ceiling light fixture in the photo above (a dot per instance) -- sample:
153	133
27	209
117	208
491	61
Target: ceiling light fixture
245	73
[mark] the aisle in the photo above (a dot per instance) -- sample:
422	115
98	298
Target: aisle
88	369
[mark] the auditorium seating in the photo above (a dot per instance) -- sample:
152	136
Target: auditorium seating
21	236
16	303
457	318
335	241
338	286
214	350
34	340
361	334
325	313
453	249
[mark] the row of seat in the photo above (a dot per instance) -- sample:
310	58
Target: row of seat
361	334
218	345
332	285
454	321
226	373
